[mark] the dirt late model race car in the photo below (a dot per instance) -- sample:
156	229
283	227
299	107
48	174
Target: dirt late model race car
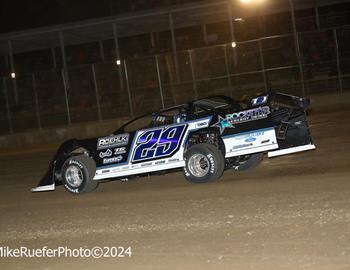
203	138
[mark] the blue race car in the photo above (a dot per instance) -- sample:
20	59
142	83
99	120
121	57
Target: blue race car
202	138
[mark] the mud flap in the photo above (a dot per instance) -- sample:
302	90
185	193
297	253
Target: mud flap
293	136
47	183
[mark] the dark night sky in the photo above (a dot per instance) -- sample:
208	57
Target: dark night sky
19	15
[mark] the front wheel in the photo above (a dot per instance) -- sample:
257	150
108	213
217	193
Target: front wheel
203	163
78	173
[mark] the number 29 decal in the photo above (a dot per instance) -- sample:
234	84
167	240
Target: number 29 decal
156	143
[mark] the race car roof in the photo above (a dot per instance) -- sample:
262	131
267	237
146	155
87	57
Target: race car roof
209	103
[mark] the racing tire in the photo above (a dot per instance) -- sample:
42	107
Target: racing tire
203	163
247	162
78	173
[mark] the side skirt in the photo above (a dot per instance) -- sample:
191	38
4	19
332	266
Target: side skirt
119	171
44	188
291	150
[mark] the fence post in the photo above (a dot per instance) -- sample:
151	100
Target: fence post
317	19
232	33
96	93
36	99
297	47
12	66
117	52
159	81
7	105
228	71
131	107
262	64
193	75
173	45
66	95
338	61
102	51
54	62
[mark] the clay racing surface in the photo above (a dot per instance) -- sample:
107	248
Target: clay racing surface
292	212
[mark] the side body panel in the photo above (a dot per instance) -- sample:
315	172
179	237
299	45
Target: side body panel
248	131
148	150
250	142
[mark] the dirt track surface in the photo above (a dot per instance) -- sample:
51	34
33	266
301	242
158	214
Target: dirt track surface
292	212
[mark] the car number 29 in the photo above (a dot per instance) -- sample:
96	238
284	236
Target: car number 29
155	143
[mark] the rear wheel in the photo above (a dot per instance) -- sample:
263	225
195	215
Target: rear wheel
78	173
203	163
246	162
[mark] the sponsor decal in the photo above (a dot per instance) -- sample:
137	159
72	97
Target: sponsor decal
232	119
146	164
120	150
212	163
112	141
112	159
248	115
173	160
250	135
75	162
259	100
247	141
222	124
106	153
251	139
202	124
241	146
105	171
74	190
159	142
160	162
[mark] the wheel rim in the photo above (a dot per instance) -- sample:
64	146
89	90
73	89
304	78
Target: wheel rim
198	165
74	176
